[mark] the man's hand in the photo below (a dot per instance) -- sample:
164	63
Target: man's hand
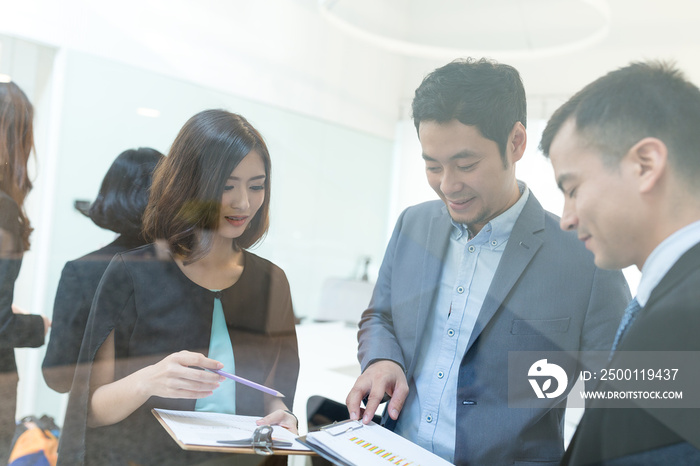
379	378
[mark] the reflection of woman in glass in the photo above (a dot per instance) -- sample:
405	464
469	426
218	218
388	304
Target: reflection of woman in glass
16	330
196	291
119	207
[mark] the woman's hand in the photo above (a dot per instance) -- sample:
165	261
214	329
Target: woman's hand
175	376
281	417
18	310
47	324
172	377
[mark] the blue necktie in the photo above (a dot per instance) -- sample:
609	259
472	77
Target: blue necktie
628	317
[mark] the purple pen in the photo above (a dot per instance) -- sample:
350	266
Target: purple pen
257	386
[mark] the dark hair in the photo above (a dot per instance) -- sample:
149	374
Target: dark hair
480	93
614	112
124	192
16	144
189	182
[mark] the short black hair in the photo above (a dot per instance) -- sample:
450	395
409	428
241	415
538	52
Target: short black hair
643	99
480	93
124	192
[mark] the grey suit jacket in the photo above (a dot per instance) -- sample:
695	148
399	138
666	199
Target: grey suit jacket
546	296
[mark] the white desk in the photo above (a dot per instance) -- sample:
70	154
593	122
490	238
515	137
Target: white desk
329	366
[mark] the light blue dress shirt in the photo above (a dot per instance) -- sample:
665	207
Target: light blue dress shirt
429	414
663	257
220	348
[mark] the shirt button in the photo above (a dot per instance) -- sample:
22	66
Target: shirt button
429	418
460	289
471	248
451	332
440	374
494	243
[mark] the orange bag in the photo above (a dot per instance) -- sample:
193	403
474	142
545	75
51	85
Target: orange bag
34	447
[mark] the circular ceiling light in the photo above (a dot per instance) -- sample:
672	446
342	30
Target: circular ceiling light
446	29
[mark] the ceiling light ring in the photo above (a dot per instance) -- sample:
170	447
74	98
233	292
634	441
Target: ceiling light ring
435	52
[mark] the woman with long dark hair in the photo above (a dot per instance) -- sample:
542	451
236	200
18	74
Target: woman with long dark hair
195	298
17	330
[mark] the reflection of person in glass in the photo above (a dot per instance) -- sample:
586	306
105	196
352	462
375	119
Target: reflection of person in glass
193	299
17	330
119	207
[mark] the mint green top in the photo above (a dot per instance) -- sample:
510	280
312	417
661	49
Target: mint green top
224	398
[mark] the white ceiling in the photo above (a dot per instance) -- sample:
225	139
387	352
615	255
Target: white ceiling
285	52
471	25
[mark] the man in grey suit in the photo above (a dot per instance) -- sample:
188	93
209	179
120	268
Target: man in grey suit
625	153
466	281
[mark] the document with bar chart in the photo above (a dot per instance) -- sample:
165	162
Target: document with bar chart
351	443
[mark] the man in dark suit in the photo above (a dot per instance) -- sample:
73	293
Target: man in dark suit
481	274
626	154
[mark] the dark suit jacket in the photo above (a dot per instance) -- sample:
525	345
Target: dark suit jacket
546	295
669	321
76	290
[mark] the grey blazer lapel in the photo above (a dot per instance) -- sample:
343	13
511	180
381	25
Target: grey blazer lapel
431	270
522	246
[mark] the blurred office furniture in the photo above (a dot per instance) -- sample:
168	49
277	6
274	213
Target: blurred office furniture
343	300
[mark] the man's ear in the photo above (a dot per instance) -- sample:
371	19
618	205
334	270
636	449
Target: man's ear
649	157
517	141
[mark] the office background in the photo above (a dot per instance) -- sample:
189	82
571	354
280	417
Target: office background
329	85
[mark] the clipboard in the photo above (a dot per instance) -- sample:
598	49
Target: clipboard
262	444
335	429
352	443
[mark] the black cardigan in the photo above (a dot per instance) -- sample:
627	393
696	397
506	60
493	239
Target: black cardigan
155	310
16	330
71	308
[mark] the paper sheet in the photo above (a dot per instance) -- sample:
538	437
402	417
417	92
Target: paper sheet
372	445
